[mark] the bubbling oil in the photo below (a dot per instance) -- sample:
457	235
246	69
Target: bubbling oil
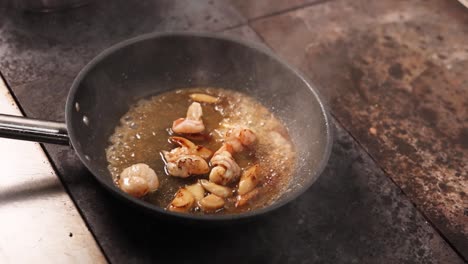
144	130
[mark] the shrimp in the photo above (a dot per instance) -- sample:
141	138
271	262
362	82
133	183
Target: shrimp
188	159
191	148
186	165
239	138
226	169
192	123
138	180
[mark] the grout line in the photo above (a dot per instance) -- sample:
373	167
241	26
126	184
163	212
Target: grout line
275	13
263	40
294	8
232	27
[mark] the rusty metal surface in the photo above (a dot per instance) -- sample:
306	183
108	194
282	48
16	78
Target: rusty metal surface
38	221
395	75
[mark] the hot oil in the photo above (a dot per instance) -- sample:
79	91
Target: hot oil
144	131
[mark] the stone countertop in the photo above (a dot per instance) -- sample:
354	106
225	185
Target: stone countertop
381	64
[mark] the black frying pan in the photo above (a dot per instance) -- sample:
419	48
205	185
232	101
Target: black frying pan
146	65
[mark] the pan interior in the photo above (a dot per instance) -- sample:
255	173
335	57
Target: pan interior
139	68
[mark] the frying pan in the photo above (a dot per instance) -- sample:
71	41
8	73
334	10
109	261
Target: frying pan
150	64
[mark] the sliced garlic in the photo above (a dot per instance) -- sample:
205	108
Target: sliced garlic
204	98
249	180
245	198
216	189
211	203
183	201
196	190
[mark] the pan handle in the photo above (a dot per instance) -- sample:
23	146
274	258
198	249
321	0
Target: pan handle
22	128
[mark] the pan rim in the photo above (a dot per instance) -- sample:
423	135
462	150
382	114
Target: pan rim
205	218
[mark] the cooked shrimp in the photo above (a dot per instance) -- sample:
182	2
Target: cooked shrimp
188	159
138	179
191	147
217	174
186	165
224	147
239	138
192	123
225	169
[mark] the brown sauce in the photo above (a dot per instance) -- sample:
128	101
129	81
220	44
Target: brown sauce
144	130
